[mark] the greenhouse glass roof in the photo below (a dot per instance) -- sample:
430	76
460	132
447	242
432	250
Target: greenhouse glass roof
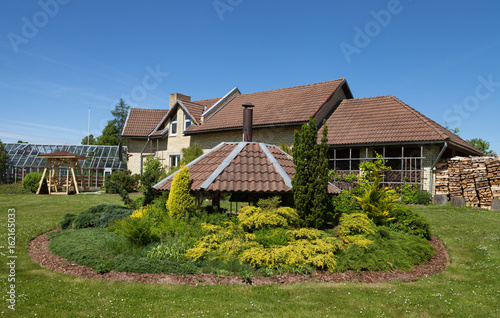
98	157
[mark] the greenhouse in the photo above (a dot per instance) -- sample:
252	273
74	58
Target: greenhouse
100	161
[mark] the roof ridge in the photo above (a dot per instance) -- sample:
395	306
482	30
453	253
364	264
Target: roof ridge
298	86
426	120
276	164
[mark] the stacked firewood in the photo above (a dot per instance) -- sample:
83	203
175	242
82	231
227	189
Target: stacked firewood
442	178
476	179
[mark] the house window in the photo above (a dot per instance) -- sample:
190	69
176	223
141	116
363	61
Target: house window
173	126
187	122
174	160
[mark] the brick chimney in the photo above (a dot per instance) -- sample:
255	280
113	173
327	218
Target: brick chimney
247	121
178	96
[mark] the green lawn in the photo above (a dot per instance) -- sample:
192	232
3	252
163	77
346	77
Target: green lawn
470	287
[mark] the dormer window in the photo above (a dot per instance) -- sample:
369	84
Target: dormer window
173	126
187	122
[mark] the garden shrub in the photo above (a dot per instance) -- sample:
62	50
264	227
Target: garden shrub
354	229
101	215
31	182
122	178
421	197
378	202
225	242
411	195
319	253
170	247
272	237
153	173
142	227
254	218
410	222
268	204
180	202
390	250
355	224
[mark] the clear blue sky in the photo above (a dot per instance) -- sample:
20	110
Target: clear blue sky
60	57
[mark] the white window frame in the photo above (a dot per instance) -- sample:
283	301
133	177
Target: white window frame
186	120
173	123
175	159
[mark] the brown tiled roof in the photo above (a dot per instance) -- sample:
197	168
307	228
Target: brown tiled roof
61	155
385	119
141	122
194	109
241	167
278	106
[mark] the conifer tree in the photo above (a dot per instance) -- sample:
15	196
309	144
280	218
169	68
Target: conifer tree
310	183
180	202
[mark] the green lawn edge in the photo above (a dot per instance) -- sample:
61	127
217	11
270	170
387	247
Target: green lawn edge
468	288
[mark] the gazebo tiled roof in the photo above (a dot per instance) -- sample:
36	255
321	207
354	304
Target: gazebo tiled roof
241	167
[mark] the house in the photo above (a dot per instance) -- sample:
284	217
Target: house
358	128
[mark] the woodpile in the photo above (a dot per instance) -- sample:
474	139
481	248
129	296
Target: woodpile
476	179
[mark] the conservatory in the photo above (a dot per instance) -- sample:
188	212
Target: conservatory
100	161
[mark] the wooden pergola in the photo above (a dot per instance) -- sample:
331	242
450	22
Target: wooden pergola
55	161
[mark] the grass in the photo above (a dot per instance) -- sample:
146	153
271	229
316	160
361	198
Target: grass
468	288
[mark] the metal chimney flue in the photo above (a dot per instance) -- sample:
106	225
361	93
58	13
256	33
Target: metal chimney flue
247	121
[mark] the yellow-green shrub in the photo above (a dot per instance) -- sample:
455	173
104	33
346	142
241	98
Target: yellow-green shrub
180	202
221	242
254	218
353	229
319	253
140	212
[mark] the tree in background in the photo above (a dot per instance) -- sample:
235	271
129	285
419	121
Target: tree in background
22	142
110	135
310	183
153	172
190	153
90	138
3	162
120	113
481	144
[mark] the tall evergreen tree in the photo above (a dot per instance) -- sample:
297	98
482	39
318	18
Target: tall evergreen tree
310	183
110	134
120	113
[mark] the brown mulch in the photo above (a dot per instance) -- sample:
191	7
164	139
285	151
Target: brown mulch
40	253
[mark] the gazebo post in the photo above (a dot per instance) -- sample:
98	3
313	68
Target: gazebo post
67	180
216	199
41	181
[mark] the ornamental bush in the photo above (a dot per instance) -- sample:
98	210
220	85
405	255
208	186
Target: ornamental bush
122	178
254	218
410	222
101	215
31	182
181	203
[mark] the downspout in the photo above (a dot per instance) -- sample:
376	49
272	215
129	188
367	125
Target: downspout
434	164
142	151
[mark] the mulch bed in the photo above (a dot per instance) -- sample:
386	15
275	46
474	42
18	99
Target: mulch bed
40	253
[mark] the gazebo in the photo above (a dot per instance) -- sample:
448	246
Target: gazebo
55	161
248	170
